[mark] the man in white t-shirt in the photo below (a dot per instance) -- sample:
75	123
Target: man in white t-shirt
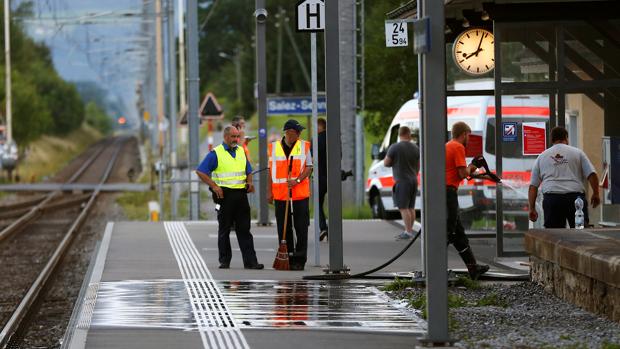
560	172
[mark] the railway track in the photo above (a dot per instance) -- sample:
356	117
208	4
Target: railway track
40	235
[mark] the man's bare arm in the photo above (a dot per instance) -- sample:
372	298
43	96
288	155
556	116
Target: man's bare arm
593	180
465	172
387	162
216	188
532	193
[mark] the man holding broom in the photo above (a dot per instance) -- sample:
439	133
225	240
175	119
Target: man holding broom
290	166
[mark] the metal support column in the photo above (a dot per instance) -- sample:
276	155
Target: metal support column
193	104
559	58
434	186
315	147
159	63
334	151
499	209
261	95
172	107
7	76
421	142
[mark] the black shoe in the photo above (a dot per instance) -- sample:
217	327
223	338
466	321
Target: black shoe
323	235
476	270
297	267
257	266
224	265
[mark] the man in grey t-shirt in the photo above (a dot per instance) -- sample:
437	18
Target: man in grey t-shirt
560	172
404	158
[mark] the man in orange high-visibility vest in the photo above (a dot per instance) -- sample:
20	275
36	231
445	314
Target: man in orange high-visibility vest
290	166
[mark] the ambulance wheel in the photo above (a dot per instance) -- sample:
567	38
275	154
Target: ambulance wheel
378	211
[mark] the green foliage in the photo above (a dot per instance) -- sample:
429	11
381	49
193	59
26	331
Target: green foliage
468	283
399	285
135	204
353	212
97	118
456	301
90	91
491	300
607	345
391	73
42	101
418	301
229	32
31	118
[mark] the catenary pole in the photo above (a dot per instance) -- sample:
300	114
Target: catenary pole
192	105
172	107
315	147
434	187
182	81
334	148
7	57
159	74
261	95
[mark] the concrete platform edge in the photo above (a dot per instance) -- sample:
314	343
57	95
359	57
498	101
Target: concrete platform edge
75	338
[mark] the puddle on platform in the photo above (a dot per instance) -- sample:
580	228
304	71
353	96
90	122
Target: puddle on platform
255	304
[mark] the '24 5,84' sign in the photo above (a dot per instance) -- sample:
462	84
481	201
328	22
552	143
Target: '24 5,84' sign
396	34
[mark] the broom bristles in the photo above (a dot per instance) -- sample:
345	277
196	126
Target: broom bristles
281	261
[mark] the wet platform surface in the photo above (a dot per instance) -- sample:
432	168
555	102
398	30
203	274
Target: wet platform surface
255	304
156	285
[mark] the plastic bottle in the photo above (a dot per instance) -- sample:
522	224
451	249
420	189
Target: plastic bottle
579	220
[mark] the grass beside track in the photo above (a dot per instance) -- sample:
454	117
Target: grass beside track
49	154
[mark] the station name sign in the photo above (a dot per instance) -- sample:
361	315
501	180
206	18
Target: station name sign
294	105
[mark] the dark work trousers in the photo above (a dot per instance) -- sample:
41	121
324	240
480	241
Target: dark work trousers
322	220
297	241
559	208
456	232
234	208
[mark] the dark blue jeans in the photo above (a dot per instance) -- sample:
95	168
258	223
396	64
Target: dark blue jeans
559	208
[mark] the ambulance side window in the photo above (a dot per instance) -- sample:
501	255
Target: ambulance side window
394	134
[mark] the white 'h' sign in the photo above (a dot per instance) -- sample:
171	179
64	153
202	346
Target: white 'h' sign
310	15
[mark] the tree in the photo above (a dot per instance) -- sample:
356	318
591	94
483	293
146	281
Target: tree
97	118
42	101
230	30
391	73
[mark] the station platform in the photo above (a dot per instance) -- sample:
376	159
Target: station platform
157	285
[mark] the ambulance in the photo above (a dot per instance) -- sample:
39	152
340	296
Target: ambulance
476	197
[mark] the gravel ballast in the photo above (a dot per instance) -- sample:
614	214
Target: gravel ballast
522	315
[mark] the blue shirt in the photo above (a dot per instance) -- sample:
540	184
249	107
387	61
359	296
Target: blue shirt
209	163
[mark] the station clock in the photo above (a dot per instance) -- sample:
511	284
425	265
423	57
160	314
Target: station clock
473	51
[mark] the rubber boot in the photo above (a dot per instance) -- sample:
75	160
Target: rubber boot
474	269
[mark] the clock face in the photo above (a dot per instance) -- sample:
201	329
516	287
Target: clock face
473	51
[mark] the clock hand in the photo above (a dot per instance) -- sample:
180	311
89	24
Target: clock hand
475	53
479	45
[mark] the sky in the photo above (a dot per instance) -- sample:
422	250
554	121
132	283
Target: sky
95	40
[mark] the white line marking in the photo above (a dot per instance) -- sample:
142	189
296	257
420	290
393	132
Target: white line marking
211	312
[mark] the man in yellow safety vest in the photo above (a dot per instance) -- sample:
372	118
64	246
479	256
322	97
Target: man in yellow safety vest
229	175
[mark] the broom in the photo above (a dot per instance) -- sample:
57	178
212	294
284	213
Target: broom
281	261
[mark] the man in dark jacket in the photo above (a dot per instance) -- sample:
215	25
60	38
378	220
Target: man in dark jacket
321	128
